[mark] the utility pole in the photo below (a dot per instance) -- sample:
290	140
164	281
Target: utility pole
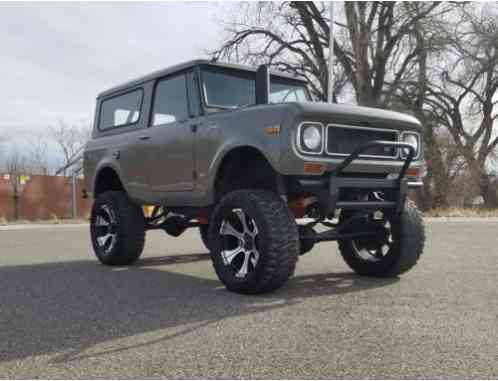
330	91
74	179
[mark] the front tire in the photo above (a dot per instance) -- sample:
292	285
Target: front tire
117	229
254	240
390	254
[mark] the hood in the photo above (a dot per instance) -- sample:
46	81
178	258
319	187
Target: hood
355	115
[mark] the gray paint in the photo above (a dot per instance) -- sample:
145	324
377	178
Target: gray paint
160	170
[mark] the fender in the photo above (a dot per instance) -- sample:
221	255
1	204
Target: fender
227	148
106	164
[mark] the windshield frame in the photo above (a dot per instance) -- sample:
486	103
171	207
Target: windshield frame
248	74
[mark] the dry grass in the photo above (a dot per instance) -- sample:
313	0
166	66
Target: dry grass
461	212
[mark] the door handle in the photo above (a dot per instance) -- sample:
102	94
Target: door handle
144	137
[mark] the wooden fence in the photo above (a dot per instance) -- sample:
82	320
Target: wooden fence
40	198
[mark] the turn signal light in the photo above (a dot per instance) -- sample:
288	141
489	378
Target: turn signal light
413	172
314	168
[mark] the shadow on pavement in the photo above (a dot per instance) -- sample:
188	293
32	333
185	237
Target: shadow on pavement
67	308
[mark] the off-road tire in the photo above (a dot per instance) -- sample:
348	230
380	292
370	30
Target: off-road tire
204	232
409	237
129	228
278	241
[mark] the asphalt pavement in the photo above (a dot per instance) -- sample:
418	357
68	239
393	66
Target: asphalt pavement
63	315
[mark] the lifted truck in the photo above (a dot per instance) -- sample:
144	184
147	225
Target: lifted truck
245	156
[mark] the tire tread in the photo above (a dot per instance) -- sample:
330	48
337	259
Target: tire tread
131	229
283	249
412	236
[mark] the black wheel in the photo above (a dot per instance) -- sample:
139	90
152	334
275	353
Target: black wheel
393	251
204	231
117	229
255	243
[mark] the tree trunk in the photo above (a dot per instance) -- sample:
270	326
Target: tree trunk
15	198
488	193
480	176
436	189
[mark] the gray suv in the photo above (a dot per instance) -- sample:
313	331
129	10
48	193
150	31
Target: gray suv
245	156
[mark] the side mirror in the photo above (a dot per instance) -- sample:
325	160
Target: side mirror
262	84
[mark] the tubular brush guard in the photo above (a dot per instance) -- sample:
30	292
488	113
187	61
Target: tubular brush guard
329	198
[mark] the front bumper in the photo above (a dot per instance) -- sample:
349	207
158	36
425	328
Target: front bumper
332	189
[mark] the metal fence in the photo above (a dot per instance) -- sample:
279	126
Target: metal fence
41	198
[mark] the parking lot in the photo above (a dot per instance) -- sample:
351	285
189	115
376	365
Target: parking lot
63	315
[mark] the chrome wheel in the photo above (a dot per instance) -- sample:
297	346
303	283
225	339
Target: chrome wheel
240	243
105	224
377	247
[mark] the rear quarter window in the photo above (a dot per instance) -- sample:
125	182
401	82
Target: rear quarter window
122	110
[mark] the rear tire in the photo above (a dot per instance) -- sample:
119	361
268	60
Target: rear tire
254	240
117	229
394	253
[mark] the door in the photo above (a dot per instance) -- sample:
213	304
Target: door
169	138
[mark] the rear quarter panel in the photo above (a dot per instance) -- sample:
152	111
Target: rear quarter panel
100	150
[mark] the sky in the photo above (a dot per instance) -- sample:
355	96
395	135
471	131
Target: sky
56	57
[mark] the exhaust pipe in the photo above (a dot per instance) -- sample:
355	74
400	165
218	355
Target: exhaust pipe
262	84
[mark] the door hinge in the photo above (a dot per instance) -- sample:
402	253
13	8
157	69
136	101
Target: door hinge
194	174
193	127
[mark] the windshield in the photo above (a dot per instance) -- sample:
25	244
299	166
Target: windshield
280	93
233	89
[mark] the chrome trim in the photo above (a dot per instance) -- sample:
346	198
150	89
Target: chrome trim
298	138
331	125
415	184
419	143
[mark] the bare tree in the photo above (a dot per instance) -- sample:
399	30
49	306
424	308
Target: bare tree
464	100
374	47
70	138
442	160
284	36
37	159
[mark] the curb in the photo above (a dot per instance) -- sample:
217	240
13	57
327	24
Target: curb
81	225
461	219
40	226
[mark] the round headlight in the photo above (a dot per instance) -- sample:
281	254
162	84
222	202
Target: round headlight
411	139
312	138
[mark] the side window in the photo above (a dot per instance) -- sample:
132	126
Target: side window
170	101
121	110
